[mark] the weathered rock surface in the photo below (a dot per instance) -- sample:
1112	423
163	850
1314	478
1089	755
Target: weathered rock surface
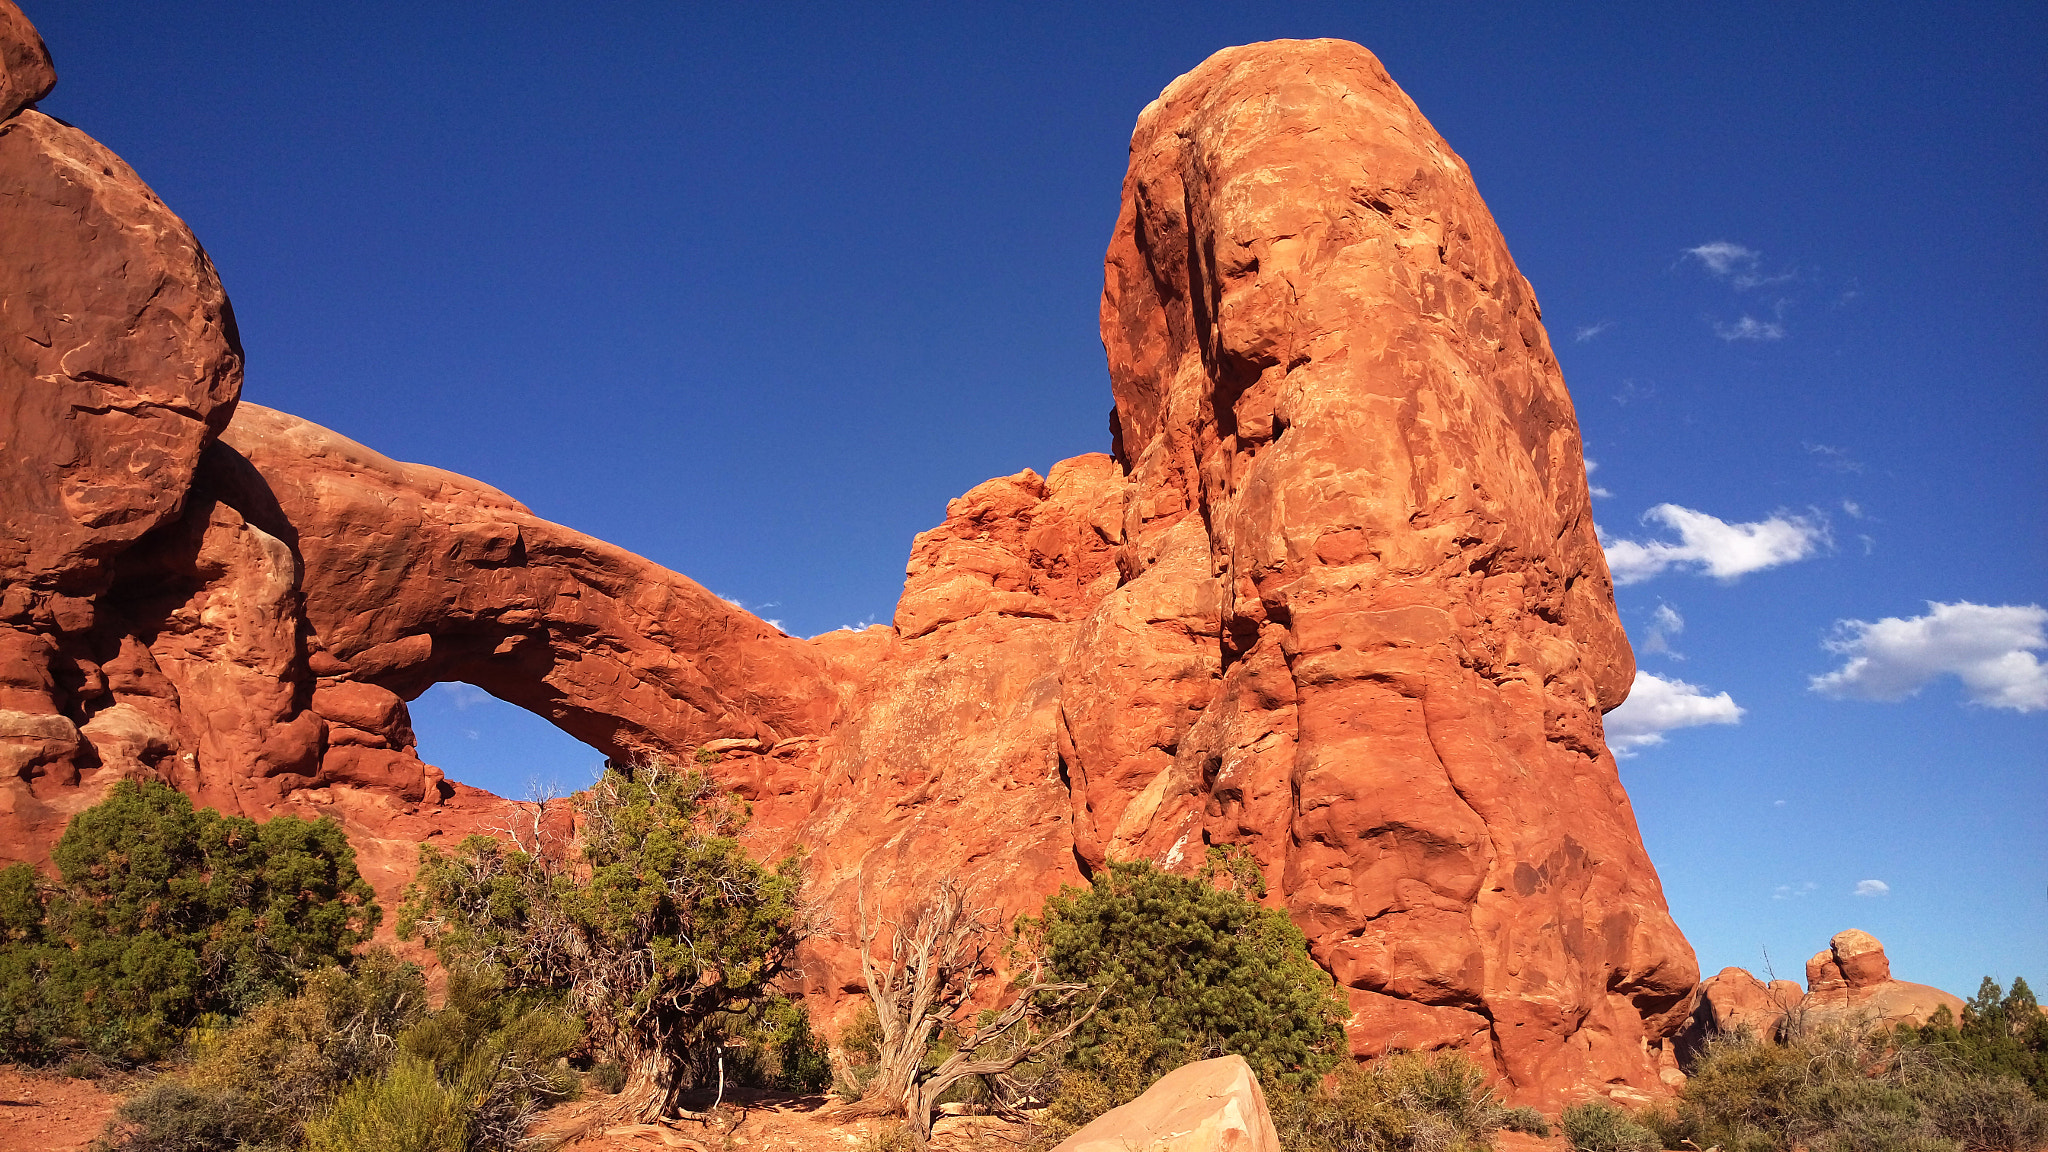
1733	1001
244	612
258	651
1334	598
26	74
1849	981
1208	1106
1352	615
1330	373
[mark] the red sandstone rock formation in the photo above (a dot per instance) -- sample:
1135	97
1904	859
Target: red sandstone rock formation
1335	598
243	612
1849	981
1732	1001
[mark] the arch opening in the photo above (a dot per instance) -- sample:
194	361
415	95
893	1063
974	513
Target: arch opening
477	739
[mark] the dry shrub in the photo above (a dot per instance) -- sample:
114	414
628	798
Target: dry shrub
1848	1088
407	1110
1597	1126
170	1115
256	1084
290	1056
1124	1067
1404	1102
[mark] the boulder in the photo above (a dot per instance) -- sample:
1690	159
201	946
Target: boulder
26	75
1208	1106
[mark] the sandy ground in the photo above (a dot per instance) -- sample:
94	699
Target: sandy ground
45	1112
762	1122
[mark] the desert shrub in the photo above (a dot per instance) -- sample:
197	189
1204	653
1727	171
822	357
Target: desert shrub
288	1057
339	1062
2002	1033
170	1115
409	1109
1597	1126
1849	1089
860	1042
257	1083
663	924
1989	1113
164	915
1188	971
777	1048
500	1051
886	1138
1404	1102
606	1077
1124	1065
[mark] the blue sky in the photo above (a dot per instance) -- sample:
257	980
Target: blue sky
754	293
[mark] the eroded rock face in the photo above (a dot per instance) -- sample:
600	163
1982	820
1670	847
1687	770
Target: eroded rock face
1360	624
1334	600
258	650
1731	1002
118	363
1335	395
26	75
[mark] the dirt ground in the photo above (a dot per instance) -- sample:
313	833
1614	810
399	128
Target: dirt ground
46	1112
763	1122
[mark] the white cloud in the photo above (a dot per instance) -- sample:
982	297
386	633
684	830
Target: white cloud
1588	331
1656	706
1714	546
1989	648
1750	328
1722	257
1873	888
1593	466
458	695
1792	891
1834	459
1665	623
1632	391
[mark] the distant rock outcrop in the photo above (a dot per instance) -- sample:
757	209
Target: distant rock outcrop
1852	979
1334	599
1849	981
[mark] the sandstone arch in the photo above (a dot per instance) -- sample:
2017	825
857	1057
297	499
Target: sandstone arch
1333	598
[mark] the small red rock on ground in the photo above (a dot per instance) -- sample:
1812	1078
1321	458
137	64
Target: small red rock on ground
46	1112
